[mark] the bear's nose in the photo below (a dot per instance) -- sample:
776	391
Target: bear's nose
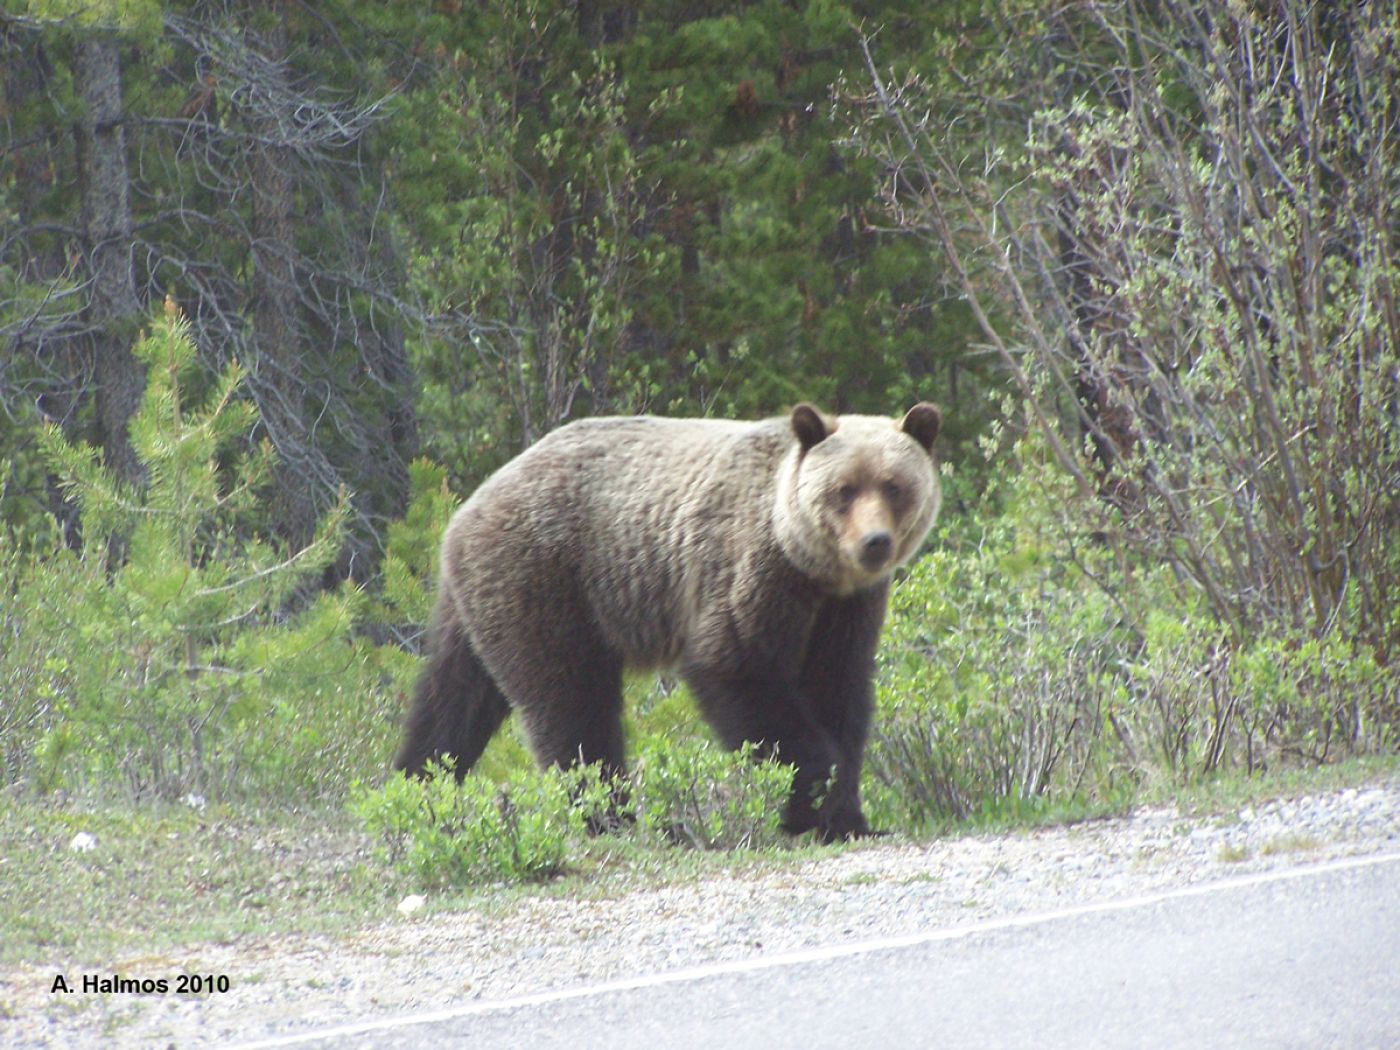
875	549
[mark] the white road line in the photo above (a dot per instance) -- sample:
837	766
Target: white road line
810	955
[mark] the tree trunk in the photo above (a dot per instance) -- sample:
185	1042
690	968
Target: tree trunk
280	391
114	311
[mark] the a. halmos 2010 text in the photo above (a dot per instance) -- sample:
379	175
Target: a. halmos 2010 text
123	984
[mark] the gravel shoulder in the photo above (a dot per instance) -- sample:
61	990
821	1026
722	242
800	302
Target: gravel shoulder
536	943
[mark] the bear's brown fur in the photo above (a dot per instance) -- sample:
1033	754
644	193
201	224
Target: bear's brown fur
752	557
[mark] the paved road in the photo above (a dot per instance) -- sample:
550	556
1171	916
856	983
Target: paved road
1305	958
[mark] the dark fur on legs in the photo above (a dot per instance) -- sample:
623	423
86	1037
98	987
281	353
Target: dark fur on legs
457	707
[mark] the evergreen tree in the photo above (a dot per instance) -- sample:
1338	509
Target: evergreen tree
181	640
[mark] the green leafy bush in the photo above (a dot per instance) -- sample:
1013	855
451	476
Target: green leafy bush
1194	289
694	793
1205	703
1027	663
438	832
525	826
995	675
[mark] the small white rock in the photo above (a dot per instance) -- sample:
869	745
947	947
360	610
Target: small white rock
83	842
194	801
412	903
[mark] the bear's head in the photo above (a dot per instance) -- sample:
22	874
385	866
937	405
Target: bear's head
857	494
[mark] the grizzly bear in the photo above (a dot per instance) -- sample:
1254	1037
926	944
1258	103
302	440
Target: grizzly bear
753	558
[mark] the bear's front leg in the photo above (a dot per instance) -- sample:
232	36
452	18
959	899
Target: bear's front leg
837	681
838	816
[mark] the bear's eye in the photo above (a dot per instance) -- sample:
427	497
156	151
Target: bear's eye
846	495
892	491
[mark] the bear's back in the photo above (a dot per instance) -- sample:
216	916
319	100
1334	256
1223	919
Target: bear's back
649	469
646	519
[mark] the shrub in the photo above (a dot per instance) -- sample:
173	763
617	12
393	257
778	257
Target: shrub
524	826
1177	232
1202	703
694	793
438	832
1025	662
996	676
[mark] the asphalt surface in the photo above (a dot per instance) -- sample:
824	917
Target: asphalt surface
1303	958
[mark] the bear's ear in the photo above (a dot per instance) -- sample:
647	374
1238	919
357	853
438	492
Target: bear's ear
810	425
922	422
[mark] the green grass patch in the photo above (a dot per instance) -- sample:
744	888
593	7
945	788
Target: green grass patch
1289	843
1229	790
161	875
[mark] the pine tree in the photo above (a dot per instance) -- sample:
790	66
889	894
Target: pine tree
165	655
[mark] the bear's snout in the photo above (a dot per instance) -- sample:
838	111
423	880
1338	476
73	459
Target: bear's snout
875	549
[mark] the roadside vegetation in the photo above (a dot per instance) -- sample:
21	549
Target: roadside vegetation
1147	261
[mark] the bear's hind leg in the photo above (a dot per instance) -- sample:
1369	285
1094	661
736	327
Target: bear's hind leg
557	671
457	707
573	715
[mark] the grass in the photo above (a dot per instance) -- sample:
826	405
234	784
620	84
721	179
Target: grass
161	875
166	875
1290	843
1229	791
